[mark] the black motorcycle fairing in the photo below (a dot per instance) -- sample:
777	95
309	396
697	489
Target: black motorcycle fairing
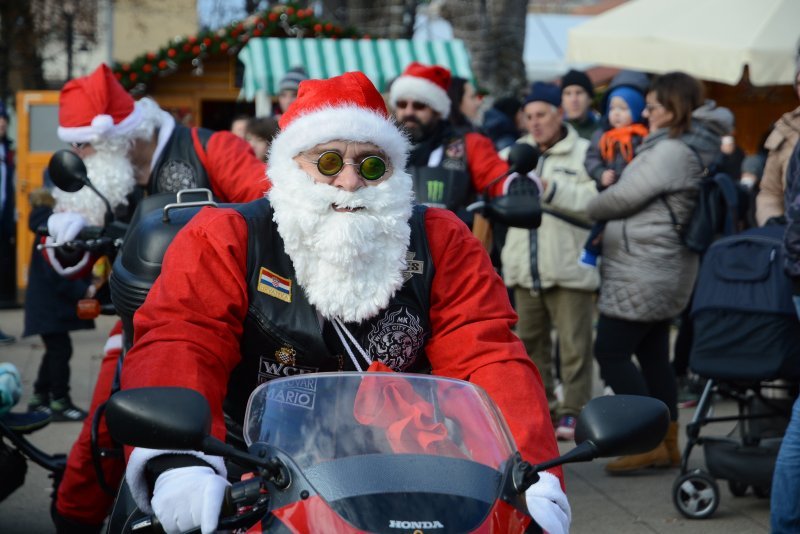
411	488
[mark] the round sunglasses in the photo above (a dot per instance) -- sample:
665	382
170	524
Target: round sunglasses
330	163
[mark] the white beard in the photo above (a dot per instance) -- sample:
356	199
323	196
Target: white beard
349	264
112	174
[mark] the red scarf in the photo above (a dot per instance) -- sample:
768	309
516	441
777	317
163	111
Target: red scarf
622	137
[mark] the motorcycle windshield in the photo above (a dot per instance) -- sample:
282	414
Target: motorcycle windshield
319	417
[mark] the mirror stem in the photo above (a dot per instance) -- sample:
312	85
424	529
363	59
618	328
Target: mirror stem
273	466
582	453
109	216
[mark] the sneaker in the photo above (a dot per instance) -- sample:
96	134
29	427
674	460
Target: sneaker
39	404
5	339
64	410
587	259
566	428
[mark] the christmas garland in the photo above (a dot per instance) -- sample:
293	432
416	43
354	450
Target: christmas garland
286	20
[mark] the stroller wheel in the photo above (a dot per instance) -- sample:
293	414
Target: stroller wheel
738	489
695	495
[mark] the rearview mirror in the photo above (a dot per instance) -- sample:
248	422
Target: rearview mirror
67	171
159	418
618	425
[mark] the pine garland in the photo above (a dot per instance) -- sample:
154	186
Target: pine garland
286	20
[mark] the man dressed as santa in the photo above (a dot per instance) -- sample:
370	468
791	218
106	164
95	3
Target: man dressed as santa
131	149
334	257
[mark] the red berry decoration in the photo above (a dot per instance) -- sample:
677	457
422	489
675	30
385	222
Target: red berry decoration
172	52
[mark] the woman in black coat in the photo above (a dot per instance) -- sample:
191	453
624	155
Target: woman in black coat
51	312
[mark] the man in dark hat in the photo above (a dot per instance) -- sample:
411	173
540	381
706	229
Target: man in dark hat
577	92
541	266
287	88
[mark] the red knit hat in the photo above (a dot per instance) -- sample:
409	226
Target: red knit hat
424	83
343	108
94	107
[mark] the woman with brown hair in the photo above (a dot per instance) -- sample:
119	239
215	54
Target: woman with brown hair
647	274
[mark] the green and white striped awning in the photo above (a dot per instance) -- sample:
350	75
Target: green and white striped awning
266	60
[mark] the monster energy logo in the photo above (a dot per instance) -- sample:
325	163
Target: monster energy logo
435	191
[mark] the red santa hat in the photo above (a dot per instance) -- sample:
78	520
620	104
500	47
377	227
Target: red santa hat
424	83
342	108
94	107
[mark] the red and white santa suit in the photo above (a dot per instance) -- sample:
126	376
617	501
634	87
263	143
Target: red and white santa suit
96	109
348	251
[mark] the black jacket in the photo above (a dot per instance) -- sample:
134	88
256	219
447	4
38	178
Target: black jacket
51	299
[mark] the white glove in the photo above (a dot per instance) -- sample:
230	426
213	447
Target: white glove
189	497
65	226
548	505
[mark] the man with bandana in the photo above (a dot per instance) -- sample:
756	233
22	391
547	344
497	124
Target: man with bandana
339	235
131	149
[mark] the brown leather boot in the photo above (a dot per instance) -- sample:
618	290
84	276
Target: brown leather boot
671	442
658	457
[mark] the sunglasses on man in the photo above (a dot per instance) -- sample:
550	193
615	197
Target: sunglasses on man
330	163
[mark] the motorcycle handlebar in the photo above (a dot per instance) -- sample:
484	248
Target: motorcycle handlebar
89	239
240	494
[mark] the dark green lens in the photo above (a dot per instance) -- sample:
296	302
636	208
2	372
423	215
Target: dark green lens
372	168
330	163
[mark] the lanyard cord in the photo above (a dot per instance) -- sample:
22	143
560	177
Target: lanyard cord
341	331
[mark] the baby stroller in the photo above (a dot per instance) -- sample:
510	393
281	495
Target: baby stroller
747	345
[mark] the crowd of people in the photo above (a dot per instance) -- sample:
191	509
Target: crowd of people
524	313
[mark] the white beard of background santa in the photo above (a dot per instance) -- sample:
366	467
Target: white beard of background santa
111	173
349	263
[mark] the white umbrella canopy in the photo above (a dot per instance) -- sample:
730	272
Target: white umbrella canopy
710	39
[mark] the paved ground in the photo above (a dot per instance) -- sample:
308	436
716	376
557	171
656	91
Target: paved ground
639	503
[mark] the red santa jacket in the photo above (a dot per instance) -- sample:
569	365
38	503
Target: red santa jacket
189	328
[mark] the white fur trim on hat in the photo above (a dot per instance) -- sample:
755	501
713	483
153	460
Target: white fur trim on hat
102	126
345	123
421	90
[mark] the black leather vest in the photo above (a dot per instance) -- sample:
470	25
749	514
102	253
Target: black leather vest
448	185
282	334
179	167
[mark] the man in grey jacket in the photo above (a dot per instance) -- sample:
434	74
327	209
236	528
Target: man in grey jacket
541	266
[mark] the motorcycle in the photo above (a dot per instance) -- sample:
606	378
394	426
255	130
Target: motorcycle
121	294
371	452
